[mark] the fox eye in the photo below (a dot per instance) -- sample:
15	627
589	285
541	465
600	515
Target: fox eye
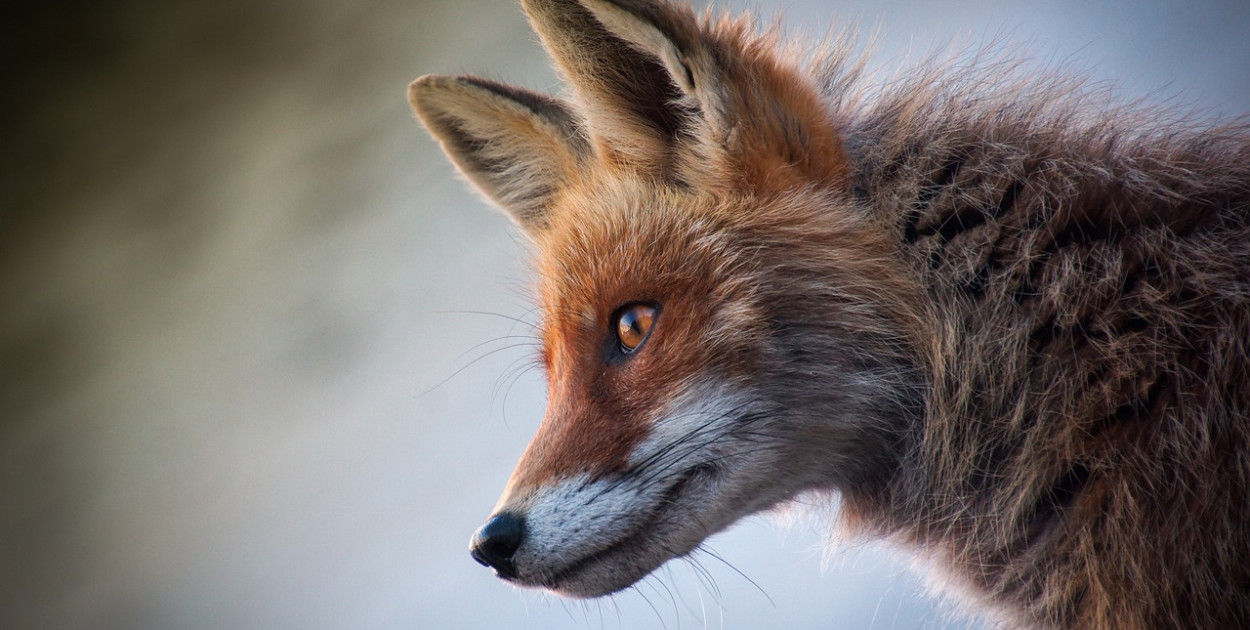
633	322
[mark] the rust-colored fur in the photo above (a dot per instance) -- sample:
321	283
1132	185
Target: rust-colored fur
1010	327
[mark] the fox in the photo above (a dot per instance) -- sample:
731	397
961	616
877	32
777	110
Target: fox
1005	323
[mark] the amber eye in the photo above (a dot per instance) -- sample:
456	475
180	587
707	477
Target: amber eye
633	322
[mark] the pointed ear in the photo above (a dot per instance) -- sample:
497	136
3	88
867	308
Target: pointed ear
519	148
628	95
746	109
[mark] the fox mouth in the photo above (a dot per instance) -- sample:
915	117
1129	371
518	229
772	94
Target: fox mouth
640	550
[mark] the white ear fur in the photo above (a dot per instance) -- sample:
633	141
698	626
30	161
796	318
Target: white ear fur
517	147
626	94
689	64
645	36
758	117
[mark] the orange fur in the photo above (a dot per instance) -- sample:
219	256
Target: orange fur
1009	328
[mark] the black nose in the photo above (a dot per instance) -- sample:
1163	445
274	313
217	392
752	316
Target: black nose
494	544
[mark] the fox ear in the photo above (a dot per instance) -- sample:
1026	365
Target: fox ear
627	95
666	88
517	147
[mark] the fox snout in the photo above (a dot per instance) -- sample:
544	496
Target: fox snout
586	537
580	527
494	544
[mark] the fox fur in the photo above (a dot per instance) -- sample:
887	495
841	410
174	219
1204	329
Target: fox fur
1008	324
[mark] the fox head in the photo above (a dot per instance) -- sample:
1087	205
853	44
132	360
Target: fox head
724	324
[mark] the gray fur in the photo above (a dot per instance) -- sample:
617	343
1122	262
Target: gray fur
1084	458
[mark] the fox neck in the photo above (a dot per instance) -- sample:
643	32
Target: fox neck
1050	280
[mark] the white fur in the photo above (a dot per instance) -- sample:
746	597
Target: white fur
662	508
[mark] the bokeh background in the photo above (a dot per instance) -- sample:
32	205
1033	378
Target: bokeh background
258	362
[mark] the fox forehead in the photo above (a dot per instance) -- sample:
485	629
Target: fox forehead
621	239
618	239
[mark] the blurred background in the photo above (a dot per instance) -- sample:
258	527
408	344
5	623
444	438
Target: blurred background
258	363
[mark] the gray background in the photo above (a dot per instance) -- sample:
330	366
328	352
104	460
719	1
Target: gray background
240	386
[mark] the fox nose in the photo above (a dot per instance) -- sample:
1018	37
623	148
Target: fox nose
495	543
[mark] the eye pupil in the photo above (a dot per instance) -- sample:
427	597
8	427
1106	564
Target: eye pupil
632	325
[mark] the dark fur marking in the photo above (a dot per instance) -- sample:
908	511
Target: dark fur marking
1082	230
1066	489
471	146
974	287
909	228
1141	405
944	179
1043	335
1061	495
1008	200
1024	292
1031	281
961	220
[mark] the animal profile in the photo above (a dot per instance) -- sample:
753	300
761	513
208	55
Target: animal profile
1007	325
